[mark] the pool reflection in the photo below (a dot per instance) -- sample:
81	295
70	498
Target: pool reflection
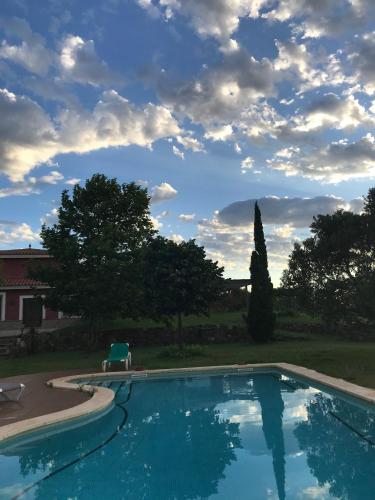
236	436
336	453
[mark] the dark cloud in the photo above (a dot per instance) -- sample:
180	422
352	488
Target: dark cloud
363	60
297	212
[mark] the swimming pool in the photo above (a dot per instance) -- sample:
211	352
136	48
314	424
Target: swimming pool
218	436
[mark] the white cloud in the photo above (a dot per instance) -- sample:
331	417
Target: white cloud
156	223
80	63
177	238
187	217
50	217
296	64
152	10
52	178
287	152
19	189
210	18
73	181
18	233
284	231
295	56
190	143
31	185
219	133
247	164
113	122
331	111
162	192
178	152
339	161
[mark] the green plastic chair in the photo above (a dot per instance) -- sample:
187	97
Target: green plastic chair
119	353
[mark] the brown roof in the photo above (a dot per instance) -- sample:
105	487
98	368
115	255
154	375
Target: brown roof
23	251
20	282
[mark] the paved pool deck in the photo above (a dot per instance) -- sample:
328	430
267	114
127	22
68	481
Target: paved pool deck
39	399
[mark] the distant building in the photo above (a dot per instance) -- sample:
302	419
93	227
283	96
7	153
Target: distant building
236	284
16	287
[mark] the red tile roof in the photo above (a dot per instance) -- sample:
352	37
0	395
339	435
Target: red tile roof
24	251
20	282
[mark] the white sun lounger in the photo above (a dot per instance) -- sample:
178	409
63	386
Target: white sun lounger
5	388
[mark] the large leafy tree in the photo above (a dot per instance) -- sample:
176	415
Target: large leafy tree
332	273
179	280
260	315
95	244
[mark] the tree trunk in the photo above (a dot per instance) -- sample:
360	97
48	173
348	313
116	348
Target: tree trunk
180	340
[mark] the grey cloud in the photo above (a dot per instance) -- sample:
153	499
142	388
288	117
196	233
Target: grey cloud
31	53
80	62
322	17
114	121
332	110
222	92
163	192
214	18
297	212
363	60
336	162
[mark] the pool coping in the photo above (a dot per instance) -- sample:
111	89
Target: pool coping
102	398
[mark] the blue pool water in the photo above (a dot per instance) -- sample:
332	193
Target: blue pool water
233	436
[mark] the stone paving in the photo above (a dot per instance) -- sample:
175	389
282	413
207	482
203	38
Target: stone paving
38	399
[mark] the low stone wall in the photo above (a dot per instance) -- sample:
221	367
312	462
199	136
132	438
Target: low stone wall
356	332
76	340
208	334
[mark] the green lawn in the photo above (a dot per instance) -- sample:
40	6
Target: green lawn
349	360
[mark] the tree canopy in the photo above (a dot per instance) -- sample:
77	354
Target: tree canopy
332	272
96	245
179	280
260	318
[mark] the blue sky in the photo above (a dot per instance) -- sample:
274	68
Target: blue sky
211	104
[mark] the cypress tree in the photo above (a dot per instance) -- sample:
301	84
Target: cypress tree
260	315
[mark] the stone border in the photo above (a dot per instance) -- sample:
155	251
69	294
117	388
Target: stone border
102	398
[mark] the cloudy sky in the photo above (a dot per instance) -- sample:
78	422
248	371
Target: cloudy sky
211	104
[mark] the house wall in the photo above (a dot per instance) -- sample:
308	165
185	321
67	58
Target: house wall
17	268
12	304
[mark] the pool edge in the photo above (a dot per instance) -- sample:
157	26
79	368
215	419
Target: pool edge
103	397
